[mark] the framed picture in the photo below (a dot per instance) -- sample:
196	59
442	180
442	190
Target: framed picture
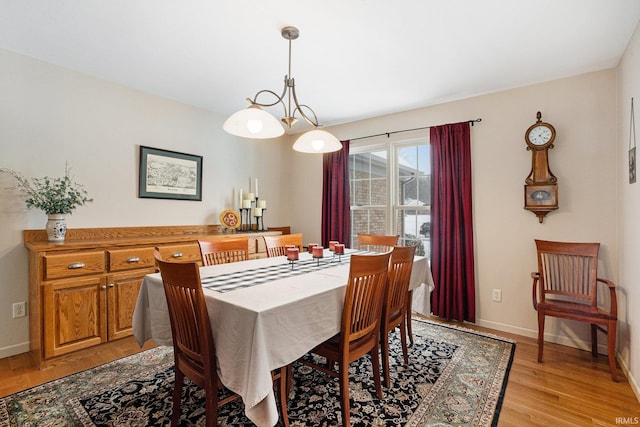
169	175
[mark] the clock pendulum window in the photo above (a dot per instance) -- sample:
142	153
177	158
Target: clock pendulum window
541	186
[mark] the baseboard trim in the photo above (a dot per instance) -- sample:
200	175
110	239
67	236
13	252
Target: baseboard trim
13	350
632	381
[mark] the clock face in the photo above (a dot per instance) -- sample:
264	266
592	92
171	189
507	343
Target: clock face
540	135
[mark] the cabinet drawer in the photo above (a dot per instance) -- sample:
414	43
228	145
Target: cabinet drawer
188	252
130	259
57	266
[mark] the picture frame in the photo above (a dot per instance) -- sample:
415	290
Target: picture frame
166	174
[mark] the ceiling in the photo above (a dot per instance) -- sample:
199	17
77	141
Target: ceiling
354	59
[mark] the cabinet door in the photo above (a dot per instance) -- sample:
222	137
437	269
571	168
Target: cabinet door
122	292
74	314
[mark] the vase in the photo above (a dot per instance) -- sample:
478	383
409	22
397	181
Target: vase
56	227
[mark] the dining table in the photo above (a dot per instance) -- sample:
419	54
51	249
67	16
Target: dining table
265	314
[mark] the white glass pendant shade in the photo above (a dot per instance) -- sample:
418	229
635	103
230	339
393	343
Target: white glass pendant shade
253	122
317	141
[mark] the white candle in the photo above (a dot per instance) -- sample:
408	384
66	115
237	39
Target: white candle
262	204
257	211
250	196
256	189
241	199
246	204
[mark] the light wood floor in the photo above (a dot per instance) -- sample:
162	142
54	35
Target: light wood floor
570	388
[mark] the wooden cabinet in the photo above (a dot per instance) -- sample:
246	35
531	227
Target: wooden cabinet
83	292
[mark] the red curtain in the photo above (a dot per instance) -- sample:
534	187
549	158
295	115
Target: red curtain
452	254
336	209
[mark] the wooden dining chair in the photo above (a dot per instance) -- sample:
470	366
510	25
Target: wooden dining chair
376	242
360	326
394	307
565	286
222	251
276	245
193	346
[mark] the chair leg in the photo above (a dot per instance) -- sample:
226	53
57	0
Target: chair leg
375	362
408	316
344	392
540	334
289	379
594	340
611	343
384	340
211	405
177	397
403	342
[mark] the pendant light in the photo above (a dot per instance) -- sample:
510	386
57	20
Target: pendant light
254	122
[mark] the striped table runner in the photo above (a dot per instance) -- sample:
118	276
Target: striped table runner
257	276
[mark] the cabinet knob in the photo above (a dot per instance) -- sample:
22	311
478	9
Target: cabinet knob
111	285
177	255
75	265
103	287
133	259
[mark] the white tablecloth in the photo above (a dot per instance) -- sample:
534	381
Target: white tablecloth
261	328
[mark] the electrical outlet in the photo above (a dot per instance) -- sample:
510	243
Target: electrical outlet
497	295
19	309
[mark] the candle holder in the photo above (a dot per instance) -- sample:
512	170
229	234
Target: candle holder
317	253
245	218
292	255
338	250
259	218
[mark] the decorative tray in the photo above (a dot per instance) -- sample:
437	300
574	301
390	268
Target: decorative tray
230	219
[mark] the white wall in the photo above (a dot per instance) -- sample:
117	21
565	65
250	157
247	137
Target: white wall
49	116
585	157
629	212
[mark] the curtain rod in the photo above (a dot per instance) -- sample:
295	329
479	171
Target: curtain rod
406	130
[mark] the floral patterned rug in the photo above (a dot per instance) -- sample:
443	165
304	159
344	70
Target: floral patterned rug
455	377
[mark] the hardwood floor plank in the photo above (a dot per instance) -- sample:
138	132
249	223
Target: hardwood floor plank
569	388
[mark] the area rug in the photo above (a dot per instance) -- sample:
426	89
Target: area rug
455	377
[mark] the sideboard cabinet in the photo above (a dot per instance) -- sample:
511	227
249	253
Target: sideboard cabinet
82	292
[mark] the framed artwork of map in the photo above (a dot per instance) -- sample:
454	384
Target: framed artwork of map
168	174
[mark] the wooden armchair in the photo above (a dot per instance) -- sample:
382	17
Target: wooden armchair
360	328
222	251
276	245
394	308
565	286
193	346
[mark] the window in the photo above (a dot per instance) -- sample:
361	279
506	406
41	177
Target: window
391	191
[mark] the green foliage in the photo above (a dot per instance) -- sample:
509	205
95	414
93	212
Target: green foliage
52	195
418	242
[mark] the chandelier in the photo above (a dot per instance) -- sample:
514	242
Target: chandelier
254	122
